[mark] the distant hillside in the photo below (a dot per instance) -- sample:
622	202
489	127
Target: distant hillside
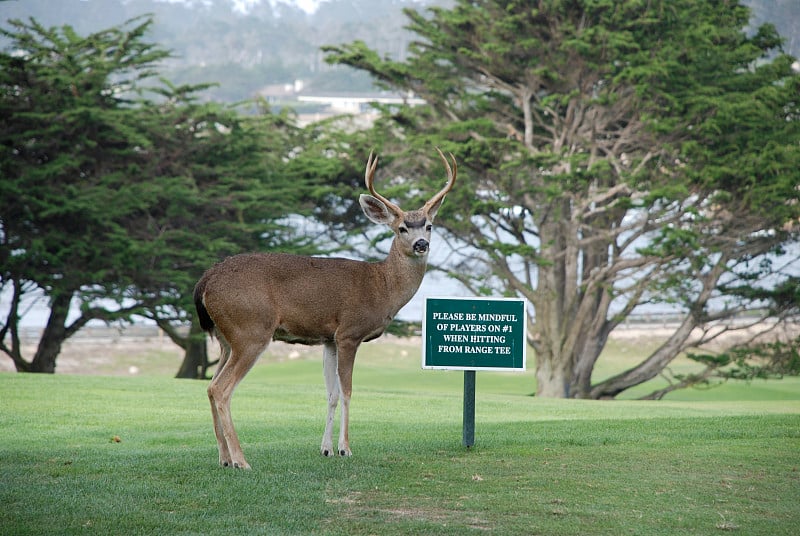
243	52
275	45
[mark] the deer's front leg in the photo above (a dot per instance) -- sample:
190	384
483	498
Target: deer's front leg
346	359
330	368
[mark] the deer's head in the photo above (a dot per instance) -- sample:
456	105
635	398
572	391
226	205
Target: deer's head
412	229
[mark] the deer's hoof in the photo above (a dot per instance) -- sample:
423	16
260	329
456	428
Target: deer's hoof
235	465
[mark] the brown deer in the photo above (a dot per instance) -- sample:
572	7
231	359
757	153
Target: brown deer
247	300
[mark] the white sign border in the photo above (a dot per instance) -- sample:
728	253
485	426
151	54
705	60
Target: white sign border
476	298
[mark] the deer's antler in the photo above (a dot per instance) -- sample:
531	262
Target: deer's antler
451	179
369	174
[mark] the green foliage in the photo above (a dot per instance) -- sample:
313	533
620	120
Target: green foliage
59	189
109	194
217	189
401	328
609	152
774	359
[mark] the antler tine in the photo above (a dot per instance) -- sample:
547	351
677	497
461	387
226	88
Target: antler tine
369	174
451	178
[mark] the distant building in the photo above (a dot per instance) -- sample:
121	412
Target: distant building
313	106
356	103
280	93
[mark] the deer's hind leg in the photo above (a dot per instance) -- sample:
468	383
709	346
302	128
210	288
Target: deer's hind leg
241	355
224	354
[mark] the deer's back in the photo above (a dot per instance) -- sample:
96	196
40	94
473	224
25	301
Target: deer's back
287	275
305	299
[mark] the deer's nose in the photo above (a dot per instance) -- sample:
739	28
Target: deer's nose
421	246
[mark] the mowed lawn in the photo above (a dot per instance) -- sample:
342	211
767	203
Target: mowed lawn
137	455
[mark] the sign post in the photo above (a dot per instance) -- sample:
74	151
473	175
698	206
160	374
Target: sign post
468	428
472	334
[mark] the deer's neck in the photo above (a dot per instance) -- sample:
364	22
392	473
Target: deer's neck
402	274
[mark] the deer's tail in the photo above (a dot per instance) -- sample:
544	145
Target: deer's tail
202	313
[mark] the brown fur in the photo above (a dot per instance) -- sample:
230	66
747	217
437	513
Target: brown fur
248	300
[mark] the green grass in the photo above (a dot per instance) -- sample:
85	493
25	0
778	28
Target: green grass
701	462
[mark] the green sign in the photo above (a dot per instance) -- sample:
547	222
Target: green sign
474	334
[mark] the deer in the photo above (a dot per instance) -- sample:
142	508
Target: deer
250	299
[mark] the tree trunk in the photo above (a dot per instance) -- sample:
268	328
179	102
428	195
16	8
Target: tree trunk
572	298
54	335
195	360
663	356
586	357
553	377
12	329
651	367
553	368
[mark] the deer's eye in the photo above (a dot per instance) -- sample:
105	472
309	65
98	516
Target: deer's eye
403	230
428	228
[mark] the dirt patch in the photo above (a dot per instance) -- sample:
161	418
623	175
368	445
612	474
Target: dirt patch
372	507
146	350
113	351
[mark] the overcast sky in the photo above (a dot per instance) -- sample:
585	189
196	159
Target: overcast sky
309	6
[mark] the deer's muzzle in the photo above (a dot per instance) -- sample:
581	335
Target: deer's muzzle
421	246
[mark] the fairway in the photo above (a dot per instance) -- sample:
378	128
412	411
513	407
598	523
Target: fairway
136	455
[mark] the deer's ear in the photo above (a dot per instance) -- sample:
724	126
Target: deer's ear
375	210
433	209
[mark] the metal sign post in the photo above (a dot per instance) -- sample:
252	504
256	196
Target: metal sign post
473	334
468	428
